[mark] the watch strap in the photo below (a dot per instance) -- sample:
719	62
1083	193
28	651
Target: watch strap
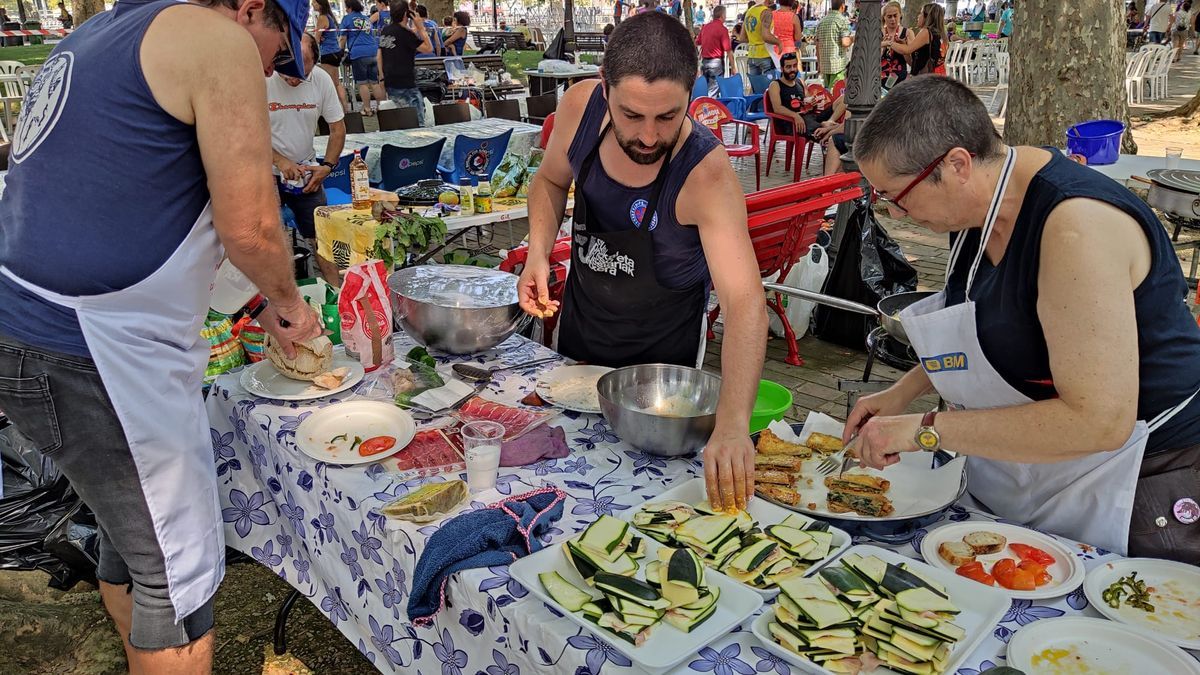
927	418
332	166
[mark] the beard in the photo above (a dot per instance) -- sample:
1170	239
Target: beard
642	154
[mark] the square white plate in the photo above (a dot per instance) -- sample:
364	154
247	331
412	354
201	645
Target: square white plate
982	608
666	646
762	511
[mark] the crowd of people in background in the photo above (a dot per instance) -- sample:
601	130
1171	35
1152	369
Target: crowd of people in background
1172	22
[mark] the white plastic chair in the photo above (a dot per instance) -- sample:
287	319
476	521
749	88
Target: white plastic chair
1135	75
9	67
1161	71
953	52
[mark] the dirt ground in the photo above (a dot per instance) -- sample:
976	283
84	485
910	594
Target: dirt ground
1154	136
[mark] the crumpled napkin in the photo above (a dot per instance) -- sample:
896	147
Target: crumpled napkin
443	396
544	442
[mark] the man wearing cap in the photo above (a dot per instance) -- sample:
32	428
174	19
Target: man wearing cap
155	115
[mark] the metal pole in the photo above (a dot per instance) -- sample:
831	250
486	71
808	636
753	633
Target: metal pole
862	93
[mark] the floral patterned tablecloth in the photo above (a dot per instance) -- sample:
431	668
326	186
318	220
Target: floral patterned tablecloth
317	527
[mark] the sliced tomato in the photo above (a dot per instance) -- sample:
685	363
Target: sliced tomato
1037	555
1022	580
1040	575
1004	566
376	445
974	571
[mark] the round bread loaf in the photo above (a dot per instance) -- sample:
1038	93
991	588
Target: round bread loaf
312	358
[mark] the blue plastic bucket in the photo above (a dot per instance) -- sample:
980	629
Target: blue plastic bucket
1098	140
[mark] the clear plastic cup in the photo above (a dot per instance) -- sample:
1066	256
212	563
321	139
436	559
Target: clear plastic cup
1173	157
481	446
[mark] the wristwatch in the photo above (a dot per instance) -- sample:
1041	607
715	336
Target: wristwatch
927	437
332	166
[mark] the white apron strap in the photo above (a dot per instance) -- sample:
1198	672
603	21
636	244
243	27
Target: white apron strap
1166	415
989	223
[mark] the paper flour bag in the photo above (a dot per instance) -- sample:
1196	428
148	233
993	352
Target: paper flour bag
366	314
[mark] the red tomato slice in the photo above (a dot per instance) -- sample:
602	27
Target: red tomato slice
1004	566
974	571
1037	555
1022	580
374	446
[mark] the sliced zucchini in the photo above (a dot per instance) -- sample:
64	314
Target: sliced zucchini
707	597
623	564
605	537
685	568
751	557
815	601
652	573
627	608
569	596
786	637
797	521
824	541
580	561
596	609
630	588
896	580
924	599
687	621
870	568
937	587
637	548
707	530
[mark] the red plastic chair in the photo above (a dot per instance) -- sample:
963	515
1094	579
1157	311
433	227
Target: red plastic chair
514	262
839	88
795	142
709	112
783	223
547	129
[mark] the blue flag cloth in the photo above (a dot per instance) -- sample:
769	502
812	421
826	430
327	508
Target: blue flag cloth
495	535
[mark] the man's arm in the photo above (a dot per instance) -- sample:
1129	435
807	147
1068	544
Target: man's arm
548	199
767	30
712	198
205	70
417	26
379	62
333	151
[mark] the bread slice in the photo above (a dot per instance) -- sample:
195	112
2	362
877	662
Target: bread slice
983	542
823	442
779	493
779	462
956	553
770	444
857	482
864	503
774	476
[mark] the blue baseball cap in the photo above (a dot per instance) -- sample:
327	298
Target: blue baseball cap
297	14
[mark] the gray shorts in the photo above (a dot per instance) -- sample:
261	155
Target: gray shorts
59	403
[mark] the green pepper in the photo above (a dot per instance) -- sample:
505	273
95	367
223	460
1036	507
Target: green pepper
339	437
355	444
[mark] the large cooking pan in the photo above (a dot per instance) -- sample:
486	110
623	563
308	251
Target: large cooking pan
1176	191
888	309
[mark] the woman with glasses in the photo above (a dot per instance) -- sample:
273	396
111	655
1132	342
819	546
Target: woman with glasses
1061	340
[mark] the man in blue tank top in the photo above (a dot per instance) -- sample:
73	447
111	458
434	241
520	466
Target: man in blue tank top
154	113
1062	338
660	218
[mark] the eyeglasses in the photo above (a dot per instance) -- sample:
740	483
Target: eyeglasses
925	173
284	55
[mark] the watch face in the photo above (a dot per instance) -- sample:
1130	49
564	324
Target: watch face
927	439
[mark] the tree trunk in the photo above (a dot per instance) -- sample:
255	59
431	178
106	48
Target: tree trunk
1067	66
82	10
440	9
912	10
687	15
1187	110
21	13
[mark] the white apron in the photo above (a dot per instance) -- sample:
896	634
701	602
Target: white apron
1089	499
145	341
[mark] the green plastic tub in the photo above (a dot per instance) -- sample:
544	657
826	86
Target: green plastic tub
773	402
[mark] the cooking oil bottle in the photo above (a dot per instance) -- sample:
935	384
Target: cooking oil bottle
360	183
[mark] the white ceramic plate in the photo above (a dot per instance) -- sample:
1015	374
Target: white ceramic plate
1067	570
261	379
364	419
1176	598
761	510
982	608
666	646
572	387
1077	644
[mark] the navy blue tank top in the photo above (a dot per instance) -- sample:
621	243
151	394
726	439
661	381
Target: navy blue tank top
104	184
678	256
1006	298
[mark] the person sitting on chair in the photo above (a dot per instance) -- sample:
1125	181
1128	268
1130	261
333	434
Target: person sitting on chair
788	99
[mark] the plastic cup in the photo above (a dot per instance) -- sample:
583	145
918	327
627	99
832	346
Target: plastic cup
481	446
1173	157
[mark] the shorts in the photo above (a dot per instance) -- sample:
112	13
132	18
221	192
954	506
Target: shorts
839	142
333	58
302	206
833	78
760	66
409	98
58	402
1155	37
365	70
712	69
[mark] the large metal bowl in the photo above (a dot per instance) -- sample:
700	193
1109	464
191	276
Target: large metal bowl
661	409
457	309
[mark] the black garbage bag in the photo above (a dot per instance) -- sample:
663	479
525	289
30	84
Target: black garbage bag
43	523
869	266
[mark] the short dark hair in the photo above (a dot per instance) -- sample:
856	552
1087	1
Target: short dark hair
353	6
654	46
790	56
273	14
311	41
835	5
446	21
921	118
718	10
462	18
608	29
423	11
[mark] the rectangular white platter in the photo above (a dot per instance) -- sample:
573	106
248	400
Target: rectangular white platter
666	646
982	608
762	511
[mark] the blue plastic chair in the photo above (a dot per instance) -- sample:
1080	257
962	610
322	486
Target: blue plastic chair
732	95
477	157
337	183
404	166
699	88
754	102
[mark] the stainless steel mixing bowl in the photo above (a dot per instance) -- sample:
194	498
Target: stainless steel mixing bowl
661	409
457	309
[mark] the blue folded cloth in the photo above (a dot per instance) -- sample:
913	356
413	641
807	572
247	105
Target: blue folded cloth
495	535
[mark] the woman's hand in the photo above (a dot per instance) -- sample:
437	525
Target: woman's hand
729	469
881	439
890	401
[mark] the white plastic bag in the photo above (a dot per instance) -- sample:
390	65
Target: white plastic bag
809	274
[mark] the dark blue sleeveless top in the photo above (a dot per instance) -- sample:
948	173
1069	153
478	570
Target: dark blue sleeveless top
678	257
104	184
1006	299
